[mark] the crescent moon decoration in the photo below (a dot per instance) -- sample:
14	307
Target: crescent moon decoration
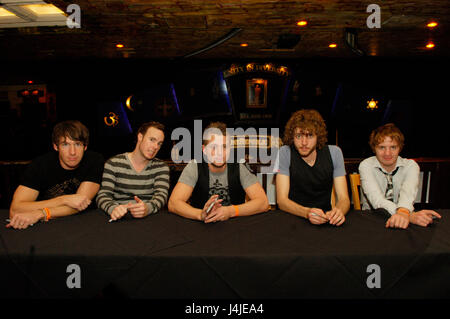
128	103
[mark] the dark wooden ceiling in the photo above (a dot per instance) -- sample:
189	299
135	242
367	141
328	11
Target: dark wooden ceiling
176	29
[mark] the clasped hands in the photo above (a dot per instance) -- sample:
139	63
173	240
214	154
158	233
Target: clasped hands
217	212
139	209
335	216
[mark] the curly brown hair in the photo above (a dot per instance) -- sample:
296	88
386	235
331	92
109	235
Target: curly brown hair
309	120
387	130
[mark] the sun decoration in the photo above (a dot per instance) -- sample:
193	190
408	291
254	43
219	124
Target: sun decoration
372	105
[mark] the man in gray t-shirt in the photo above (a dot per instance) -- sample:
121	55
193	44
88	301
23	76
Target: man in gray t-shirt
218	182
217	190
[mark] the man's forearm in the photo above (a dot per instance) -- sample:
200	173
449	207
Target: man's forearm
254	206
25	207
343	205
106	202
183	209
292	207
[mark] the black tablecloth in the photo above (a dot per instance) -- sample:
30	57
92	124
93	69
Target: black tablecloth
268	256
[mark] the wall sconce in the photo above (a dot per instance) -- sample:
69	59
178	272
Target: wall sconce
112	119
372	105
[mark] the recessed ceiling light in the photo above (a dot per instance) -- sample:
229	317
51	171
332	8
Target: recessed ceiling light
119	45
302	23
244	44
430	45
432	24
332	45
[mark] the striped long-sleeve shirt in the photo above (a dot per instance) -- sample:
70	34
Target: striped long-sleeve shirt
120	183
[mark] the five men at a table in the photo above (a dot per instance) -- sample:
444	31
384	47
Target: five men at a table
214	188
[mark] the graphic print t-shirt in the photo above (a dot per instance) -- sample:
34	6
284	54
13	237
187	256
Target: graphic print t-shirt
46	175
218	182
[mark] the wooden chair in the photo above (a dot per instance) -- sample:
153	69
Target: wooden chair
355	183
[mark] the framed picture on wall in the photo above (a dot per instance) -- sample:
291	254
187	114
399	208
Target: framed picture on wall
256	93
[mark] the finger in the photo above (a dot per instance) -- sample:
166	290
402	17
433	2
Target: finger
335	219
137	211
217	205
427	219
331	214
405	222
341	221
137	199
211	199
18	223
211	216
113	215
425	222
389	223
320	214
133	206
433	213
316	220
208	204
211	219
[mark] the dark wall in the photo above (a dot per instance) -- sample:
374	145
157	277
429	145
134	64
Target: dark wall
414	89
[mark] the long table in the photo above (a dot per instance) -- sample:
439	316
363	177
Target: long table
268	256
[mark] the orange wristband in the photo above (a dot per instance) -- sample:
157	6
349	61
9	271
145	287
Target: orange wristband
236	209
403	210
47	214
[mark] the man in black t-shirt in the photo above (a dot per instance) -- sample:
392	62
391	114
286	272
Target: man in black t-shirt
58	184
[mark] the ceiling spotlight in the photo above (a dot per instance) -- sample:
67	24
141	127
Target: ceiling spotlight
119	45
430	45
302	23
332	45
432	24
244	44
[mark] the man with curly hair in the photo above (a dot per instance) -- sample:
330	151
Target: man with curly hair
308	170
391	182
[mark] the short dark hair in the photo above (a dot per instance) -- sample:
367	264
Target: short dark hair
222	127
144	127
73	129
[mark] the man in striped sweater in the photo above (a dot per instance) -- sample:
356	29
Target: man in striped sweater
136	182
